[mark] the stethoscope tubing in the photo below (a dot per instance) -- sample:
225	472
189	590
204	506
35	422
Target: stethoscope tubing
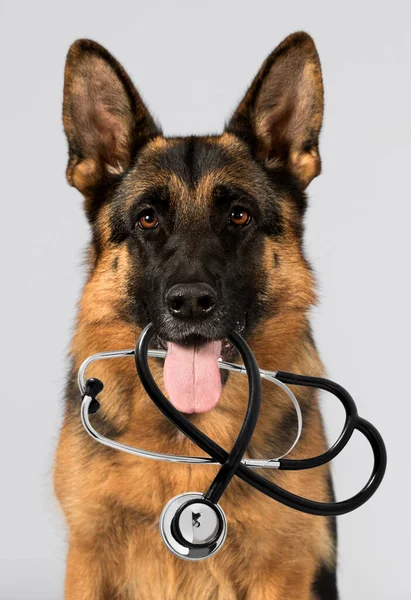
351	416
91	405
231	460
228	469
353	422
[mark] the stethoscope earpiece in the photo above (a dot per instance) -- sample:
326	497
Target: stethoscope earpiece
192	527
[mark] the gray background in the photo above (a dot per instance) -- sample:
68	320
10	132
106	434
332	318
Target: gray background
192	62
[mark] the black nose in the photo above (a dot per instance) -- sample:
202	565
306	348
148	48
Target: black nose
191	300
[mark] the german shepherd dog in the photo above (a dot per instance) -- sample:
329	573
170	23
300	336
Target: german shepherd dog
199	235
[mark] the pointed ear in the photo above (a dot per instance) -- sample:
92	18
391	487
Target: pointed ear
281	113
105	120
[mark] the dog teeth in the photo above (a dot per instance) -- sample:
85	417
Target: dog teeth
239	327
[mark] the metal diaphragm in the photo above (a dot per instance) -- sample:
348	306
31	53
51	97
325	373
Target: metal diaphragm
191	527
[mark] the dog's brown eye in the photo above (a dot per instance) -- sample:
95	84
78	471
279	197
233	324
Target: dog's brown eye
147	219
239	216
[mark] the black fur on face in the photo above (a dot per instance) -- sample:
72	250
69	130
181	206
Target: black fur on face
176	205
192	186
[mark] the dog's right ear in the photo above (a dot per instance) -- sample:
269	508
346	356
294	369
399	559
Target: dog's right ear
105	119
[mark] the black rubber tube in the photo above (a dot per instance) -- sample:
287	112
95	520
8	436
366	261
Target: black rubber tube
351	416
353	421
227	471
230	461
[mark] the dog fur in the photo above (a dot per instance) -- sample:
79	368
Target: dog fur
121	163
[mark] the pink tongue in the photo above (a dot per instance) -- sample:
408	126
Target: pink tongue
192	377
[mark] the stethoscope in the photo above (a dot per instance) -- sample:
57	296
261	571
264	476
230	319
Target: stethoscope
193	525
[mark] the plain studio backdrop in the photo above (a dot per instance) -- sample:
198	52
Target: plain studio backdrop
192	63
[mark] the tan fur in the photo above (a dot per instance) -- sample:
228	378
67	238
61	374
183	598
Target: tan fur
100	491
111	500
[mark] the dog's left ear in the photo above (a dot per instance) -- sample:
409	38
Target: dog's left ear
281	114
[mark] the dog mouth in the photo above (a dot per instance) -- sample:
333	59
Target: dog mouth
192	378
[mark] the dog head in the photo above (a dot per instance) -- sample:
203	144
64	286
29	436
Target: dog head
199	235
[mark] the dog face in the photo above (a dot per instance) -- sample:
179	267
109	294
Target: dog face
199	235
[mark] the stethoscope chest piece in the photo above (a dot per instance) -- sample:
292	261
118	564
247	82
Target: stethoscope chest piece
192	527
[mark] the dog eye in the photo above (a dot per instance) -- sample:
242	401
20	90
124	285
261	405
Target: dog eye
147	219
239	216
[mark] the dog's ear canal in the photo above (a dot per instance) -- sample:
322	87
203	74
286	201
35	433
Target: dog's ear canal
281	114
105	120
